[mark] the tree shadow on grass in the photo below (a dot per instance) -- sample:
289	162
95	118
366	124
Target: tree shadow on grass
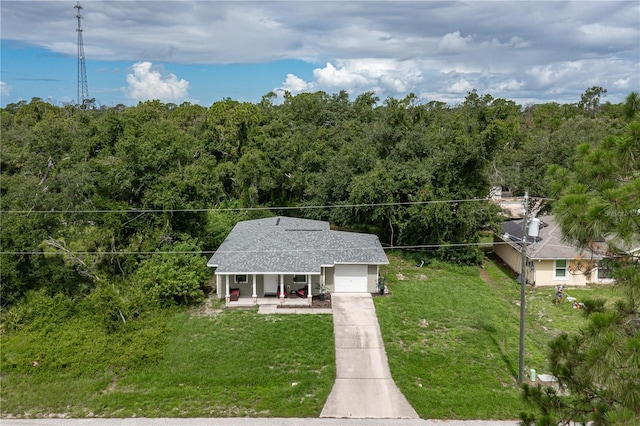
491	331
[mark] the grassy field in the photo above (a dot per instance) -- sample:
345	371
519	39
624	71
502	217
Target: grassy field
235	363
451	335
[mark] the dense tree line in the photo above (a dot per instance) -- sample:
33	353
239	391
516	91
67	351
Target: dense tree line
89	196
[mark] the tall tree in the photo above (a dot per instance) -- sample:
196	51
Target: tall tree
590	100
598	368
632	105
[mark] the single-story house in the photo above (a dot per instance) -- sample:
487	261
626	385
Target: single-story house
550	260
289	257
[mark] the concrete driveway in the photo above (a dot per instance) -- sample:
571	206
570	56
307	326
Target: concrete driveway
363	387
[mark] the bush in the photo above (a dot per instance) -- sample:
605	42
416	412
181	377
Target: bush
38	311
77	345
175	277
116	303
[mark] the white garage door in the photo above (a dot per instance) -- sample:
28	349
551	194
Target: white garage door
351	279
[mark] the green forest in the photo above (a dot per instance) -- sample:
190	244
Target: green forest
92	197
115	210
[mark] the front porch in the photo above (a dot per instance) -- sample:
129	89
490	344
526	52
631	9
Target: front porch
248	302
244	290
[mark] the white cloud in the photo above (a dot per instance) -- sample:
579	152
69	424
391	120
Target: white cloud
623	83
602	34
5	89
329	76
454	43
386	77
507	85
462	86
147	82
295	84
555	73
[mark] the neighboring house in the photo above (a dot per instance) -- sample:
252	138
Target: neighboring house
288	257
550	260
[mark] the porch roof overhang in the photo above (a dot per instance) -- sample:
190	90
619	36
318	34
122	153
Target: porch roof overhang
217	272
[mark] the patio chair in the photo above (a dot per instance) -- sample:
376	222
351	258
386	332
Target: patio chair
234	294
301	292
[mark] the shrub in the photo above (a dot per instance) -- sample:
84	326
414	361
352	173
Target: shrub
174	277
38	311
116	303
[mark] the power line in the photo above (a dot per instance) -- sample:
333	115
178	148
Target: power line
126	253
222	209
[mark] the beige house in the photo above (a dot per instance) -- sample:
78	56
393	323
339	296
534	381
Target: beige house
550	260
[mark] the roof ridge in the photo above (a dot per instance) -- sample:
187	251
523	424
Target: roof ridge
539	245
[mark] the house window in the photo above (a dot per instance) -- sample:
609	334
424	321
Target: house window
299	279
605	270
241	278
560	268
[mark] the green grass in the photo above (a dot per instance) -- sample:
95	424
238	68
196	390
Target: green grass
452	337
63	366
237	363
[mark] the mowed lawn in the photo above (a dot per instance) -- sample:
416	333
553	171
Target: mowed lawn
236	364
452	337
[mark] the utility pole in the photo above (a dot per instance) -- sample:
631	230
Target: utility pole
523	283
83	88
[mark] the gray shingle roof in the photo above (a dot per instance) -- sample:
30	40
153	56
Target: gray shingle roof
549	244
292	246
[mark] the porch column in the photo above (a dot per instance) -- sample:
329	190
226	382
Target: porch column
282	293
226	292
309	296
255	295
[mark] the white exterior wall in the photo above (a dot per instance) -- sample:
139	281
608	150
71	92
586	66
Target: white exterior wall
372	278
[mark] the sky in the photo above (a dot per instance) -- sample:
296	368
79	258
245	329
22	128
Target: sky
205	51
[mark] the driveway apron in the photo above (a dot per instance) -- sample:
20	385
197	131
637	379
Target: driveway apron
363	387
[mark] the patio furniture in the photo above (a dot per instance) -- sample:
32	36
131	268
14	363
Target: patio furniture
301	292
234	294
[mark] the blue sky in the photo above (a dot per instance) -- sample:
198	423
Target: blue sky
205	51
38	72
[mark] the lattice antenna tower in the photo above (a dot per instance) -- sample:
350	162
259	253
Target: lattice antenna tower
83	88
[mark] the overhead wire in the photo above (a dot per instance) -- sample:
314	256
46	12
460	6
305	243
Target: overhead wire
201	252
215	209
265	208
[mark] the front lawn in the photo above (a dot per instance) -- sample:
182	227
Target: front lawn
233	364
452	336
